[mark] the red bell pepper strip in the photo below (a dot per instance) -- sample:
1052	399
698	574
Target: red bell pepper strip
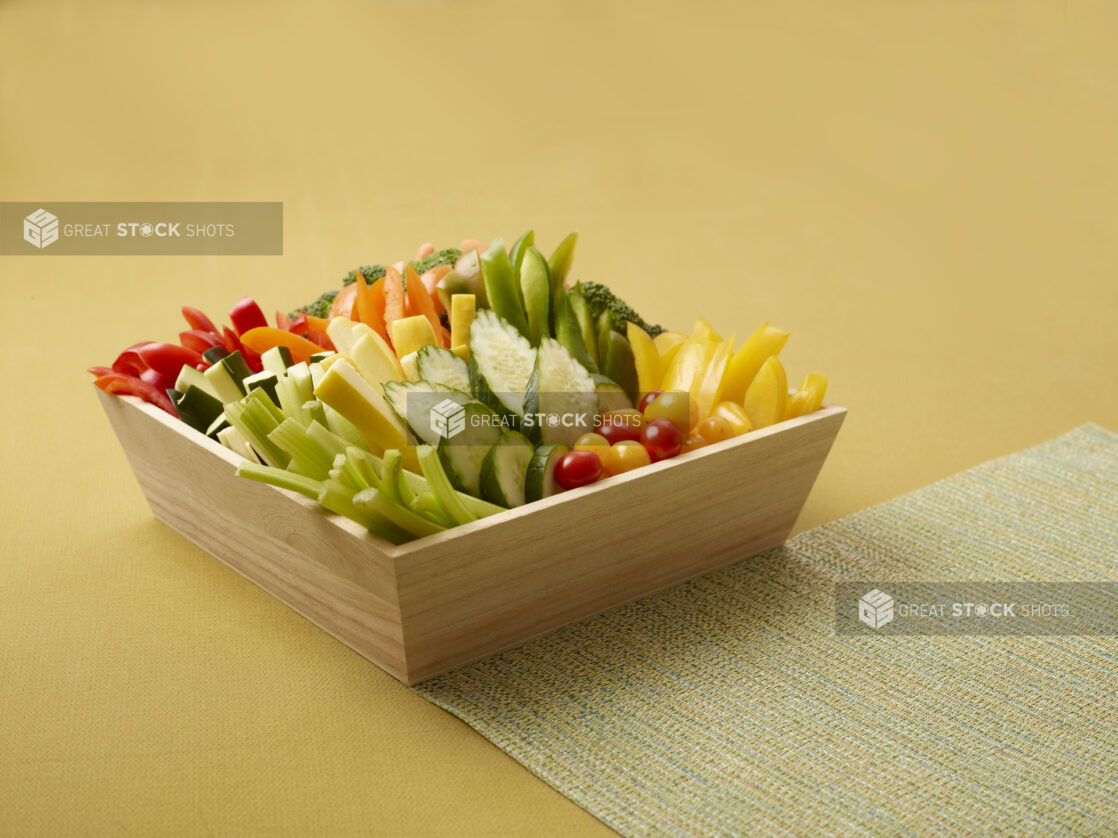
299	325
157	379
200	340
198	320
168	359
129	361
283	321
247	315
127	385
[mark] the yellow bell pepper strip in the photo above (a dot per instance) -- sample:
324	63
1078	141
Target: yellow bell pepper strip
646	356
704	328
767	340
708	391
462	308
347	392
690	360
809	398
767	396
735	414
374	360
667	344
263	338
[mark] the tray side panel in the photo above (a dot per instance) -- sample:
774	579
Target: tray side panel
338	580
486	591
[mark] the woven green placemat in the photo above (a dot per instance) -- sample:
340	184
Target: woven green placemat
728	705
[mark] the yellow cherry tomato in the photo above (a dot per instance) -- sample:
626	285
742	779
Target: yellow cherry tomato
693	443
677	407
593	442
625	456
715	429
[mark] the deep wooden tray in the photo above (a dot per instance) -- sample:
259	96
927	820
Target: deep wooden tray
423	608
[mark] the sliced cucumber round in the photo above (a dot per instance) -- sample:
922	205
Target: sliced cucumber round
539	480
505	468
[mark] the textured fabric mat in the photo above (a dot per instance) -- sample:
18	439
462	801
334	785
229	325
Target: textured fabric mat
728	705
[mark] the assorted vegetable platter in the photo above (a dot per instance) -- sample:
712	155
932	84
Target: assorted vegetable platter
434	392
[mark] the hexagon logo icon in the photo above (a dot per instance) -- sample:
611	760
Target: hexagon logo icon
448	418
40	228
875	609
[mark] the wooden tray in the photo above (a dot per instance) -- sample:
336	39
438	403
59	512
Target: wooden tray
423	608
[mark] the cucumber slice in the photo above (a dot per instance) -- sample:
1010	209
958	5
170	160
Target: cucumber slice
505	469
420	404
561	400
463	455
441	366
503	361
610	394
539	480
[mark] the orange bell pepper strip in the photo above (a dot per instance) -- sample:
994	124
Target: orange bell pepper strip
319	324
393	298
420	302
344	303
263	338
369	308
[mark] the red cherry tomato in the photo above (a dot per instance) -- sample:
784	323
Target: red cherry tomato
578	468
649	397
619	426
662	439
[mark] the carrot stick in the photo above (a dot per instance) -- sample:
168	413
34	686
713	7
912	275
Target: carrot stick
369	306
343	303
393	297
419	302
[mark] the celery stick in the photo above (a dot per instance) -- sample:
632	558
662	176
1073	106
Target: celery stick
427	505
375	502
282	478
440	485
339	425
366	464
255	424
292	438
317	433
390	475
314	412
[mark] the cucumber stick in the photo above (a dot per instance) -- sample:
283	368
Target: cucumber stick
505	469
502	287
440	486
535	286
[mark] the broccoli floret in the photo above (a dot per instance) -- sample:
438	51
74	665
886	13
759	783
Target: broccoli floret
599	298
439	257
319	308
371	273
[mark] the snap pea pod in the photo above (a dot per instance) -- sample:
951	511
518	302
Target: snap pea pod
502	286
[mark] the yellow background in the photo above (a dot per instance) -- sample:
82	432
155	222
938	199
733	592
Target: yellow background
922	193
